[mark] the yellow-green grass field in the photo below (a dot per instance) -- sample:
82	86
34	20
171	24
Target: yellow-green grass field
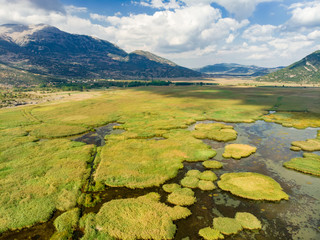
40	173
140	163
36	178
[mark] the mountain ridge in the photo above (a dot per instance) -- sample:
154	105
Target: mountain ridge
46	50
306	70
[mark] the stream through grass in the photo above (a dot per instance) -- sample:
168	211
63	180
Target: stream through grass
297	218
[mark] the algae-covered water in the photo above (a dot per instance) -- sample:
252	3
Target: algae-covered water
297	218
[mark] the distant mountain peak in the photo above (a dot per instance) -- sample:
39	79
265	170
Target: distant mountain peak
236	70
22	34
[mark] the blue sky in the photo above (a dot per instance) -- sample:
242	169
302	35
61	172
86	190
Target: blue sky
192	33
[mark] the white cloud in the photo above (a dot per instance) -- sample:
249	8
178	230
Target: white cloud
172	4
314	35
98	17
70	9
259	33
230	39
305	14
240	8
178	30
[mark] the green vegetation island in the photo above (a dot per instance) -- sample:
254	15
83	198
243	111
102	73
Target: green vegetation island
152	173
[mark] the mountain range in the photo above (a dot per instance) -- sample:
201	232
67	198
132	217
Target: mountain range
307	70
46	53
34	54
235	70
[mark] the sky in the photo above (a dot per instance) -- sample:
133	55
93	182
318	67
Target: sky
192	33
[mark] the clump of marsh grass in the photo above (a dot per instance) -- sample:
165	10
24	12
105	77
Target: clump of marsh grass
190	182
209	233
238	151
309	145
65	224
208	176
206	185
295	148
182	197
193	173
309	163
252	186
212	164
178	212
248	221
133	218
169	188
227	225
202	180
215	131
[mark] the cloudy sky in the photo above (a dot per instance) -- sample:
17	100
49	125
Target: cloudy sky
193	33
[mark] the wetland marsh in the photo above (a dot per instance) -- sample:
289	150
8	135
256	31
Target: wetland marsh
151	141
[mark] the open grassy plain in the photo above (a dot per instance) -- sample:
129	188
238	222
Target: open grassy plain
41	170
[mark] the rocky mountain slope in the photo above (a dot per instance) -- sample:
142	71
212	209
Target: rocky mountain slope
235	70
307	70
45	51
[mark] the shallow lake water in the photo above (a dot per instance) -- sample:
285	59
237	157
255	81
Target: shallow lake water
297	218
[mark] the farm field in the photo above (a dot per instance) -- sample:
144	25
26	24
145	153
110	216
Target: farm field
56	183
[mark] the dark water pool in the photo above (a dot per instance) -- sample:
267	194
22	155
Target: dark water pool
97	137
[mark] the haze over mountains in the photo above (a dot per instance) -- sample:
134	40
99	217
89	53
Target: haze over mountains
48	52
236	70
